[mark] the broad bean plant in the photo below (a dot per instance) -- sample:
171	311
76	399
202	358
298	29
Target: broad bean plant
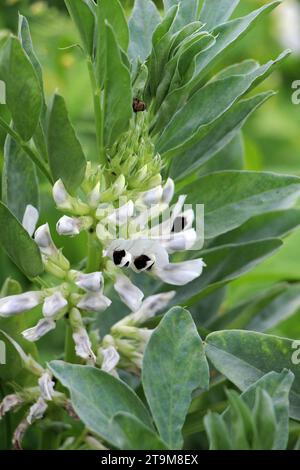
168	217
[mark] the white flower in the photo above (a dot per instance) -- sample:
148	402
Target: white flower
44	240
121	215
94	302
92	282
16	304
37	411
46	385
152	197
40	329
179	274
150	306
131	295
61	196
30	219
9	403
168	191
68	226
181	241
54	305
83	345
111	358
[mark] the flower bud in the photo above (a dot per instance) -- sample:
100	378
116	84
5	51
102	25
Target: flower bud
37	411
46	386
81	338
64	201
10	402
44	240
41	329
30	219
16	304
94	302
152	197
68	226
110	359
54	305
131	295
168	191
115	190
92	282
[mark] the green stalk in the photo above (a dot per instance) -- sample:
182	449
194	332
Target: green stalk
27	149
98	112
70	355
94	257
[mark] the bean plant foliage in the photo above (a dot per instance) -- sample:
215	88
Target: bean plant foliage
151	359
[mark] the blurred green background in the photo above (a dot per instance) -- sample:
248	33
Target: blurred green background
271	136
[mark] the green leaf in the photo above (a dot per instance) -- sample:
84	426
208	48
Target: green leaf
265	419
245	356
224	264
206	105
66	157
19	180
188	11
134	435
215	12
227	34
278	386
241	422
231	198
217	432
174	366
278	310
23	90
270	225
97	397
110	11
142	24
82	13
19	246
117	91
220	133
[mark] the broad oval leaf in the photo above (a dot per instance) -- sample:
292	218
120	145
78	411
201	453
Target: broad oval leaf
134	435
143	22
23	90
83	15
117	91
245	356
231	198
66	157
215	12
19	179
97	397
19	246
174	366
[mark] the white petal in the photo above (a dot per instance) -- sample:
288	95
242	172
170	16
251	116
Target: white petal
54	304
179	274
41	329
111	358
30	219
180	241
152	197
83	345
37	410
94	195
46	385
131	295
90	282
177	209
9	403
94	302
61	196
68	226
121	215
15	304
152	305
43	238
168	191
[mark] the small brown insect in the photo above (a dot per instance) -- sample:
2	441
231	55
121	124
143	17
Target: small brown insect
138	105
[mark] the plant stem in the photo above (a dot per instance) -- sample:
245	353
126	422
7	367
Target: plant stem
70	355
94	256
27	149
98	112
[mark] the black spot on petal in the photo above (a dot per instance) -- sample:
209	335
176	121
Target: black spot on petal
141	262
118	255
179	224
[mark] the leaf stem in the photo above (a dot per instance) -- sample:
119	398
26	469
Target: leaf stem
98	111
94	256
27	149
